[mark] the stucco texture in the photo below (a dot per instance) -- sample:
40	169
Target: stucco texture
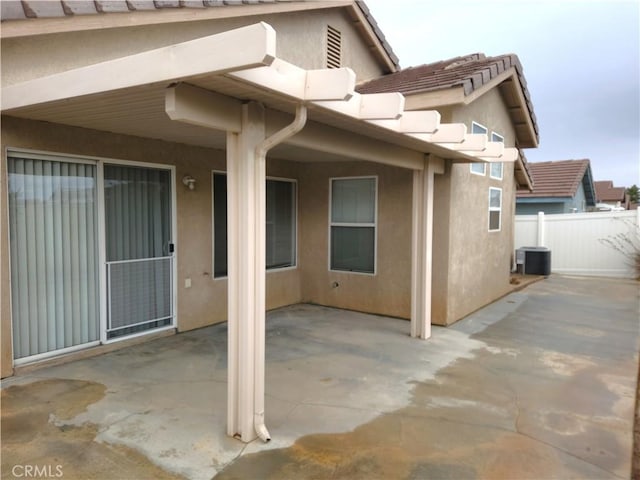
205	302
300	36
388	292
472	265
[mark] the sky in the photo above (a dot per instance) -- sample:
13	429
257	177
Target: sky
581	60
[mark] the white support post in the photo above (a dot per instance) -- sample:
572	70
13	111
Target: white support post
540	239
246	185
422	247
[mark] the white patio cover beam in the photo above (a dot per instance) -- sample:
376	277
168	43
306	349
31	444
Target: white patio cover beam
370	106
204	108
299	84
207	55
473	142
335	141
446	133
509	155
492	150
415	121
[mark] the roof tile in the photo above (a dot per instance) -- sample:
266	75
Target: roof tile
12	10
42	8
556	179
112	6
141	4
606	192
470	72
75	7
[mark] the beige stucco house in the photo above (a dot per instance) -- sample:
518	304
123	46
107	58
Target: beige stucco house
474	205
158	157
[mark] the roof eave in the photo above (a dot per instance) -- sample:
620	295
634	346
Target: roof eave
43	26
462	95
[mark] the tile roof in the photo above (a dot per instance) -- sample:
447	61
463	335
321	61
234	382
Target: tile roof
19	10
25	9
469	72
606	192
557	179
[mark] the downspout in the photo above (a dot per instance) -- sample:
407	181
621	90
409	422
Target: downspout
261	155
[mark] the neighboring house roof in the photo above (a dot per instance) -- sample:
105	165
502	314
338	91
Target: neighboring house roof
30	9
560	179
606	192
469	74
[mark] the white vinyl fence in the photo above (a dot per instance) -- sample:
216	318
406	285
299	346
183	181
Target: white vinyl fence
575	240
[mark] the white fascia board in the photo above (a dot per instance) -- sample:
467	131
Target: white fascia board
370	106
246	47
299	84
197	106
415	121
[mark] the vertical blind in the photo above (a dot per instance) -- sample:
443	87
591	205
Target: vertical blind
54	254
138	235
280	224
137	212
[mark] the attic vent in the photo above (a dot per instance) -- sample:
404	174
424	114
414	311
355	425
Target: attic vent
334	48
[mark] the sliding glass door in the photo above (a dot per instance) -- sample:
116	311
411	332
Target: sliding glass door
54	254
64	266
139	249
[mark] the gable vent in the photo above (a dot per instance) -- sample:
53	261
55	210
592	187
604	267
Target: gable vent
334	48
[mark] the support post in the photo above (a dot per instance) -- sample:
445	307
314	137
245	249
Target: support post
540	239
246	186
422	246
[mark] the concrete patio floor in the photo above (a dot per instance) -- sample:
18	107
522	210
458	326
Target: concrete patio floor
540	384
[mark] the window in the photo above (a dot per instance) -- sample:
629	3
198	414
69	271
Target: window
334	47
353	224
280	224
495	209
478	168
496	168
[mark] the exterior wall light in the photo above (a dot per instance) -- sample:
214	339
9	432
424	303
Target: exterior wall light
189	182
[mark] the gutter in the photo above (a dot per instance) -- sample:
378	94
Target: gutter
259	344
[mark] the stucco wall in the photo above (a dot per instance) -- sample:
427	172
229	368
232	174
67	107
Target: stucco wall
476	270
388	292
205	302
301	40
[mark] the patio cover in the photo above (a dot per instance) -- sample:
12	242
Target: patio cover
230	91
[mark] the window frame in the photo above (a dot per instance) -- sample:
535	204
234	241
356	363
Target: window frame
500	138
495	209
213	226
484	165
373	225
